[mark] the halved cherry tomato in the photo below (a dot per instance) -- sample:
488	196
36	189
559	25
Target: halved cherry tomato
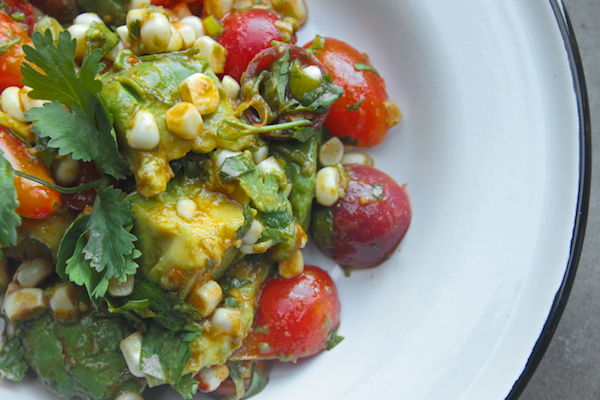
295	318
245	34
362	229
36	201
79	200
16	7
363	115
11	60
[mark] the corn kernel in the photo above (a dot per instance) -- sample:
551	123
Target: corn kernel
199	90
292	266
327	189
206	297
24	304
184	121
213	52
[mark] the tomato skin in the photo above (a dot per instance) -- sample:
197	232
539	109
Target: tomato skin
368	124
11	60
294	319
367	226
36	201
22	6
79	200
245	34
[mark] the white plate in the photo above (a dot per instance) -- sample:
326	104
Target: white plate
491	149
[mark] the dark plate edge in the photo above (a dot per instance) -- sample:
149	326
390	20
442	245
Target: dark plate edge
585	170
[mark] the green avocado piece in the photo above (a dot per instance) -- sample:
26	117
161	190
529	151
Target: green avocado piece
81	360
301	169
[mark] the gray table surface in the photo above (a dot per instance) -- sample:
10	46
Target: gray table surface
571	367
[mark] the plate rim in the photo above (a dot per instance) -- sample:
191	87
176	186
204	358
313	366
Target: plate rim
583	197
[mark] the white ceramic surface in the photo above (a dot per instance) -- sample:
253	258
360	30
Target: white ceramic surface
489	147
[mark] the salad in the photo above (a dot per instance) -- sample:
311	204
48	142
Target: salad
162	166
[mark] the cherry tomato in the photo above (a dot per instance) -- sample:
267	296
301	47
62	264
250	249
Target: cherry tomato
195	6
11	60
36	201
245	34
263	107
79	200
362	229
295	318
15	7
363	115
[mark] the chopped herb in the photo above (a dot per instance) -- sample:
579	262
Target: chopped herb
347	271
264	347
374	247
231	302
349	141
333	339
365	67
262	329
4	46
355	106
135	28
377	191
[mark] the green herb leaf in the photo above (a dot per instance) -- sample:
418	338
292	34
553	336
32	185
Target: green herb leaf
9	220
82	128
365	67
231	302
12	360
333	339
4	46
164	355
110	246
187	387
355	106
135	28
108	252
377	191
150	300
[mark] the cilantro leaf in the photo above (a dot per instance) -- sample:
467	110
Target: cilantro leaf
110	244
99	246
164	355
4	46
9	220
150	300
83	127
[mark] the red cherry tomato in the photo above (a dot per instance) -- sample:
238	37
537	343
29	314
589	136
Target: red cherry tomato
14	7
245	34
36	201
368	223
195	6
11	60
295	317
79	200
363	115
